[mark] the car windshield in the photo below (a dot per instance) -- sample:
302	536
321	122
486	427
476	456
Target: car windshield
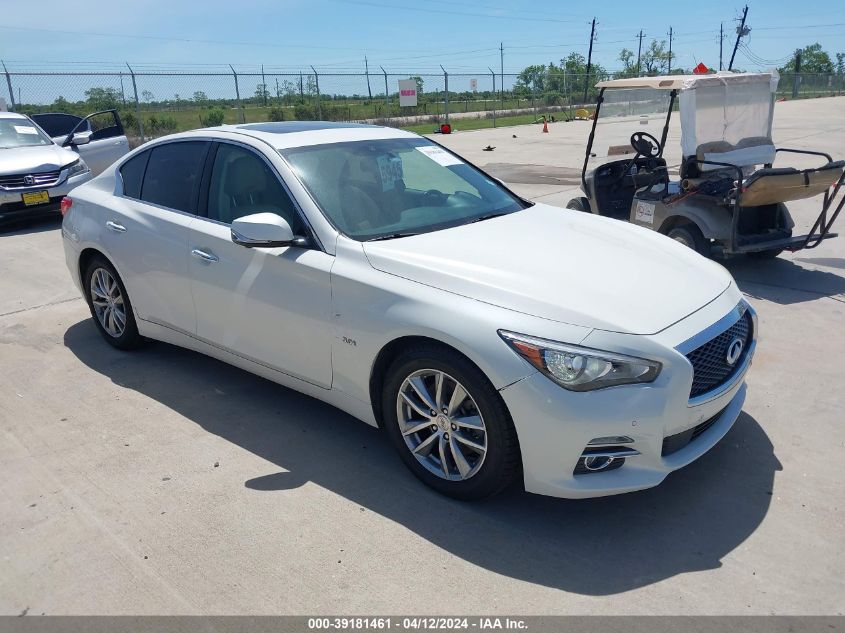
15	132
380	189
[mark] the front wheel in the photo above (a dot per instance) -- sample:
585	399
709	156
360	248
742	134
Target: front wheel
579	204
449	424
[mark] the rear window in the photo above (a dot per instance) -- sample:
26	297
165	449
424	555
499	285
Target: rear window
173	173
132	174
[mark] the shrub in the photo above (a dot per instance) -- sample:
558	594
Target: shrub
304	112
213	118
276	114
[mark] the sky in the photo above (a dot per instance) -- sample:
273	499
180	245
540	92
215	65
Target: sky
412	36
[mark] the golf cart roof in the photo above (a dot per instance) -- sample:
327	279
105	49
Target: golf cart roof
686	82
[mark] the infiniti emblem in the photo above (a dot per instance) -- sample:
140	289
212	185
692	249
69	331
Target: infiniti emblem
734	351
28	180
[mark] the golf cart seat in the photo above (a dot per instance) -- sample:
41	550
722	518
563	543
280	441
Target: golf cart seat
754	150
773	185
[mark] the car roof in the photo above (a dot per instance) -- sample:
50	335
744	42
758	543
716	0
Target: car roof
11	115
289	134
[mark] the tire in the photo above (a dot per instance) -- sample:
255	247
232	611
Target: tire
106	295
579	204
690	235
480	473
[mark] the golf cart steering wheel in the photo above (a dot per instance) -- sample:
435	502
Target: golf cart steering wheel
645	144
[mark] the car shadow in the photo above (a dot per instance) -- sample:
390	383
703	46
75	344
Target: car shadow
31	225
784	281
596	547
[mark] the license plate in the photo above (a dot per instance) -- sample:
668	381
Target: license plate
35	197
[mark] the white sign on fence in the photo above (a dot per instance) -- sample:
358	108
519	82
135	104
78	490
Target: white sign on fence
2	104
473	85
407	92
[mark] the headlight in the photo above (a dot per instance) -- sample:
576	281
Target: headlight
79	167
581	368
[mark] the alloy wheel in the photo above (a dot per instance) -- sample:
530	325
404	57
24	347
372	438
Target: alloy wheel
108	302
441	424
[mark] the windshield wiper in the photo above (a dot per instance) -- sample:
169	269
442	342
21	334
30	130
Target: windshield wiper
489	216
391	236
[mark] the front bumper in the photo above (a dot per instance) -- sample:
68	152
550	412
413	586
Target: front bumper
555	426
12	207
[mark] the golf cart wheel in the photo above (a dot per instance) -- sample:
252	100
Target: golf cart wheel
769	254
690	236
579	204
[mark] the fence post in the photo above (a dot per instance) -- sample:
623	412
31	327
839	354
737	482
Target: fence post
238	95
493	75
386	95
445	92
137	104
9	83
263	87
317	85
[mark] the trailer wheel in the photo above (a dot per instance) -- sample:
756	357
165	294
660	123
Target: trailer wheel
579	204
690	235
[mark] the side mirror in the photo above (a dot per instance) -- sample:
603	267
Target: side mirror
79	138
262	230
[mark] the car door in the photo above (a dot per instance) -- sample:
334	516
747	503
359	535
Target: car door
270	305
107	141
146	230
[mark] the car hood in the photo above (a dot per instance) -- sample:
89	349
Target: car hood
31	160
561	265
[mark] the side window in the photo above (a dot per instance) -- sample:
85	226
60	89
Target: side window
132	174
173	174
243	184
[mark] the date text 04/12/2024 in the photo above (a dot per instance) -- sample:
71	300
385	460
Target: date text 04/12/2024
415	623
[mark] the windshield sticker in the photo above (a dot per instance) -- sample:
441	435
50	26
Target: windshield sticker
644	212
25	129
390	168
440	155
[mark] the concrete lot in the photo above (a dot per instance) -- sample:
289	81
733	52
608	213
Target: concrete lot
162	482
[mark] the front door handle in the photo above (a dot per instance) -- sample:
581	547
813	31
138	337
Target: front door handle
207	257
114	226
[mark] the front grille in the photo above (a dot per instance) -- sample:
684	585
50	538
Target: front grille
19	181
709	361
674	443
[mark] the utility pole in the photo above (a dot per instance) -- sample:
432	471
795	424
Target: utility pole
669	72
639	51
721	42
741	31
367	72
502	70
589	59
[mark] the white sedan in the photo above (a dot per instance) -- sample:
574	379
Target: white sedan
490	337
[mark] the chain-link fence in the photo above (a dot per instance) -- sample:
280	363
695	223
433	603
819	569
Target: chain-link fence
153	103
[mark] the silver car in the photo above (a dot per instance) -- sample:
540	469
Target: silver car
36	172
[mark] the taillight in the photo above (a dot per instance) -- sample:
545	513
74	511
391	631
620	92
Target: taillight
65	205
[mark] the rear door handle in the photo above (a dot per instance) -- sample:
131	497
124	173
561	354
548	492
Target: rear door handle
114	226
207	257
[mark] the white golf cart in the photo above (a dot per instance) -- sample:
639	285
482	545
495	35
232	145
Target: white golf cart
724	203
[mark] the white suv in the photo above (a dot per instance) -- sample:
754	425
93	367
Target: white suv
375	270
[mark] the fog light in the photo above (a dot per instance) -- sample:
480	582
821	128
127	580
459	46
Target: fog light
598	463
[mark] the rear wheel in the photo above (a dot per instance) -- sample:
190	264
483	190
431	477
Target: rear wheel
690	236
449	423
579	204
109	305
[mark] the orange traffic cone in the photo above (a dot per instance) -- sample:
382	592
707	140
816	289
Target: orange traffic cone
545	126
